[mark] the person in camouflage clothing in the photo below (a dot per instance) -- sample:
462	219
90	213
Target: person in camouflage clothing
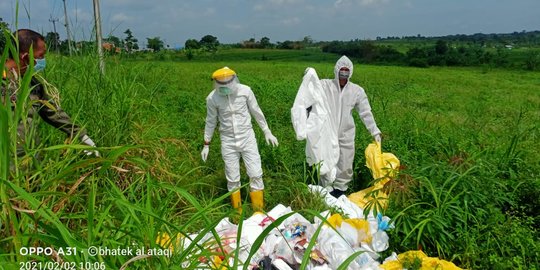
43	97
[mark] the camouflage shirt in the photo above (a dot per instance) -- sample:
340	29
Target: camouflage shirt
39	103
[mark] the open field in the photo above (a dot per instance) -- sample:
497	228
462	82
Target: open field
468	139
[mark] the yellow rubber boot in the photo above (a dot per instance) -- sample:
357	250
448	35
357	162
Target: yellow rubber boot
257	201
236	201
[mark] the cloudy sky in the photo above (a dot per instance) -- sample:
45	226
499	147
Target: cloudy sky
232	21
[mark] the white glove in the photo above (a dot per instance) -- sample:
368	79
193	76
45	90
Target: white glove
378	138
86	140
204	152
270	138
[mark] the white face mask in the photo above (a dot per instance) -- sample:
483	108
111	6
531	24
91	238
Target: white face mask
344	74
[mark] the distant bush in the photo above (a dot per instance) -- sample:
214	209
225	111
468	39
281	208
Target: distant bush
366	51
442	53
532	62
290	45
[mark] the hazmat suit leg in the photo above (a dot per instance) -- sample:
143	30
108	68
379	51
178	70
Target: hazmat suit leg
344	165
231	157
327	182
252	161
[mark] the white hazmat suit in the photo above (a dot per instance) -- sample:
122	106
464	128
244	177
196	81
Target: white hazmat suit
233	111
340	103
319	130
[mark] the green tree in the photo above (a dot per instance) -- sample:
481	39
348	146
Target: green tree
250	44
130	42
3	26
114	40
441	47
532	62
265	43
307	40
192	44
417	57
209	43
155	43
53	40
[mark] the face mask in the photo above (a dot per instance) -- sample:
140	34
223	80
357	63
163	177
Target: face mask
40	64
344	74
224	91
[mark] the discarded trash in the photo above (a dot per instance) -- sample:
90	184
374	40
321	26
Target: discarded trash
395	262
355	238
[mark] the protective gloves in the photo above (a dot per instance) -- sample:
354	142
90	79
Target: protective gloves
86	140
204	152
378	138
270	138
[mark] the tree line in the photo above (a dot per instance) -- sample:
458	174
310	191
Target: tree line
439	53
417	51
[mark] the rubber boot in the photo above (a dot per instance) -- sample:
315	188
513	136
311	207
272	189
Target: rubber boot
257	201
236	201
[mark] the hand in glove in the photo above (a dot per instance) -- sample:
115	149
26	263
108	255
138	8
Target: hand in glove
86	140
204	152
378	138
270	138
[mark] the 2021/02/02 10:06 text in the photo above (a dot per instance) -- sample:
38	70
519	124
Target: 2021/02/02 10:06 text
62	265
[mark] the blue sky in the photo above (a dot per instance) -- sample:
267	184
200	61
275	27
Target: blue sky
231	21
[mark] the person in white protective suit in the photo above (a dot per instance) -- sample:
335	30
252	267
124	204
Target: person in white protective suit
340	97
232	104
312	121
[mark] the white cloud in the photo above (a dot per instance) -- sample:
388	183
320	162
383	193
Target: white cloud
277	4
285	2
120	17
79	15
129	3
291	21
209	11
258	7
359	2
235	26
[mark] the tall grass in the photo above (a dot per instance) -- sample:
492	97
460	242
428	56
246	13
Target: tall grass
467	138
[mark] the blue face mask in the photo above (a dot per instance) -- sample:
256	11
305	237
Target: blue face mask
40	64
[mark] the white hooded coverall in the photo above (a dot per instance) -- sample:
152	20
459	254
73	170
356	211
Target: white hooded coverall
234	112
341	103
317	127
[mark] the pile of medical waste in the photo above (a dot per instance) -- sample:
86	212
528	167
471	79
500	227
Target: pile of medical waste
283	239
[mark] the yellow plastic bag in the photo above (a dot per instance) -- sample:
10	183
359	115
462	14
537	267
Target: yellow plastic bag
361	226
428	263
335	220
383	166
165	241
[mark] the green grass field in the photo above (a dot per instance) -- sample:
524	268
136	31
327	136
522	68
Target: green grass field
467	137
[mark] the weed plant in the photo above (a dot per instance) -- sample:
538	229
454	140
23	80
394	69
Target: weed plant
467	139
